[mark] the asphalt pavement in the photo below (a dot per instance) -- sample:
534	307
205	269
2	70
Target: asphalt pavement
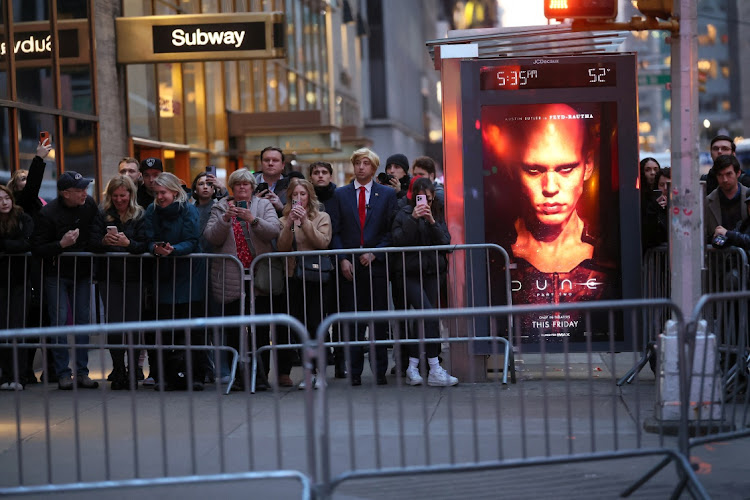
565	408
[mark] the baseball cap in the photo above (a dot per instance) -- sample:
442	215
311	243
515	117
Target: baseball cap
71	179
154	163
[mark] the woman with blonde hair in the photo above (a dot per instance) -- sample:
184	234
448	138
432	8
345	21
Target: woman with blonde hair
119	227
304	228
173	230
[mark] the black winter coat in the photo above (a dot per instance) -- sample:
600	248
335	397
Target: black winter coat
408	231
18	242
120	268
56	219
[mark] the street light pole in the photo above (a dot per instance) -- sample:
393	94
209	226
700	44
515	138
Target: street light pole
686	205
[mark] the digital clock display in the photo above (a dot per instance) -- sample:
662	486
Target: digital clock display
548	76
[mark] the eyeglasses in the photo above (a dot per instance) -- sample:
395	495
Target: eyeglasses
722	149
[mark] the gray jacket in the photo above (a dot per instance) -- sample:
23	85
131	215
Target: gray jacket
713	211
226	282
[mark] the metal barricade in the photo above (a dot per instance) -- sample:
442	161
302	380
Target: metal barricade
555	414
86	288
726	270
477	275
57	441
721	367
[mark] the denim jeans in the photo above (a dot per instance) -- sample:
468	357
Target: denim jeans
60	294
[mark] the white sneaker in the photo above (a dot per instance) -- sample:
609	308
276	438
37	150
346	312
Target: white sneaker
5	386
413	377
225	379
440	378
15	386
317	383
149	381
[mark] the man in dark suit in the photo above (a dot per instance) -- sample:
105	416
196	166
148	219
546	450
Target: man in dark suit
361	215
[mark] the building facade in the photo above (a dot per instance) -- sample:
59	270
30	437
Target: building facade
312	96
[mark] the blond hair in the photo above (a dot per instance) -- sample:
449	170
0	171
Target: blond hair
172	183
312	198
365	153
134	210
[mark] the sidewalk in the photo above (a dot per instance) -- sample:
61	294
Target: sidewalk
149	434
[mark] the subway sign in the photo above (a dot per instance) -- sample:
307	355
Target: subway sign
32	44
202	37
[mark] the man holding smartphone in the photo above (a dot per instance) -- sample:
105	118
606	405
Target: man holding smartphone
64	225
272	160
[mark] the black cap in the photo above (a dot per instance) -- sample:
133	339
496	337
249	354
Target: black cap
71	179
154	163
398	159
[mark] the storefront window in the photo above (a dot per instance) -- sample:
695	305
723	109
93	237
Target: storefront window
198	162
171	105
216	129
3	56
246	86
231	87
34	86
29	126
78	144
30	11
5	164
142	101
72	9
75	83
195	104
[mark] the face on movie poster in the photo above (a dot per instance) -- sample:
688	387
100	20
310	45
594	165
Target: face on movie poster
551	200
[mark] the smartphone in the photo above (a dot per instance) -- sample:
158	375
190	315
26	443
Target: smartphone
295	203
159	244
43	136
657	193
240	204
421	199
263	186
112	230
211	169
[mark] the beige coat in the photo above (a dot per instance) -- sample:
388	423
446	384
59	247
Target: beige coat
312	235
226	284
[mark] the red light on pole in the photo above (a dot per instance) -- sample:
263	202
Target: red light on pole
580	9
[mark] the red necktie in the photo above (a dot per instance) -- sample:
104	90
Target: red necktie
362	215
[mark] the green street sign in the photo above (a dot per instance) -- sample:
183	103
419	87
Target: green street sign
654	80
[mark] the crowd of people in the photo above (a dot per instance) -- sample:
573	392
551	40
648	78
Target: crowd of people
726	220
145	210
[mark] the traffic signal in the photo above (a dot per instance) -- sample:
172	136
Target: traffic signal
580	9
656	8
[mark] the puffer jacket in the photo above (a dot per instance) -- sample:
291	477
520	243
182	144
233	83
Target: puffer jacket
408	231
314	235
226	284
180	281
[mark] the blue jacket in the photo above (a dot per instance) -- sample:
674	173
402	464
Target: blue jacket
179	225
345	218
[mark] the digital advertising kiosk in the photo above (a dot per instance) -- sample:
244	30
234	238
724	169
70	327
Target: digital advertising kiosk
541	158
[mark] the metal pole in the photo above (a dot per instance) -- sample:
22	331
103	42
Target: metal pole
686	228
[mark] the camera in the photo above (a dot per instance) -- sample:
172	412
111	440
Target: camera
719	241
384	178
263	186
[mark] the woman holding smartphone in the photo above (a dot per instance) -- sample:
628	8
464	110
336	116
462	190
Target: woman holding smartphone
173	230
244	226
119	227
304	227
421	223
